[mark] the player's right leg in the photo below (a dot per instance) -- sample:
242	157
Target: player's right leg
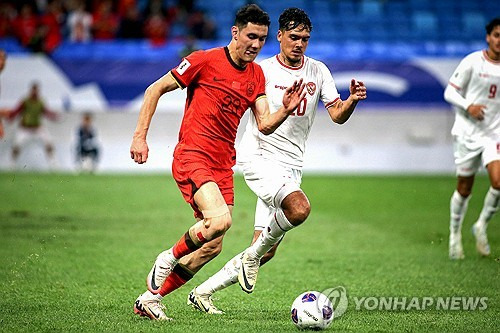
216	220
209	204
21	137
467	163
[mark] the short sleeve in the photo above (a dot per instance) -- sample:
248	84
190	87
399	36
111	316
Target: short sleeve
329	93
189	68
261	79
462	74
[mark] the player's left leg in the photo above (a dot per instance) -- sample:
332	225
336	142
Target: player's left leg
490	207
294	208
45	137
468	162
201	296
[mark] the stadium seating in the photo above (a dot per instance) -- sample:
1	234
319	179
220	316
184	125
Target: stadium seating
418	20
345	22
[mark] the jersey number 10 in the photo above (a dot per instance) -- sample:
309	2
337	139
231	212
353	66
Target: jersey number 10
301	108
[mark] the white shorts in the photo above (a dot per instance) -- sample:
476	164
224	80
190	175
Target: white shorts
266	178
24	135
471	155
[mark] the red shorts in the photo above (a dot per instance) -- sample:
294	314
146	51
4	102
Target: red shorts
190	175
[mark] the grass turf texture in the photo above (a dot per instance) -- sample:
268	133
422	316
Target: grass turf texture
75	251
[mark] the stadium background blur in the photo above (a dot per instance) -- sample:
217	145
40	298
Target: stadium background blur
405	51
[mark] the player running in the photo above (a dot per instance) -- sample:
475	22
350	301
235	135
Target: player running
473	91
222	83
272	165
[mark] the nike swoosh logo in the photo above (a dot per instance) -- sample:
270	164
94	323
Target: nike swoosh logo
153	284
197	304
219	80
247	285
156	315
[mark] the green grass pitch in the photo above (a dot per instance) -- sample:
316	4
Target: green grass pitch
75	251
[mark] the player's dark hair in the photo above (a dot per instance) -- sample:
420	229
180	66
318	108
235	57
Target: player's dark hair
251	14
292	18
493	23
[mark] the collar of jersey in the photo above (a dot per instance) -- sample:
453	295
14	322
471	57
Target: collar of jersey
235	65
290	67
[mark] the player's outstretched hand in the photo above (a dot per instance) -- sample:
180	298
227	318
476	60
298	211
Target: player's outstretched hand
293	95
139	150
476	111
357	90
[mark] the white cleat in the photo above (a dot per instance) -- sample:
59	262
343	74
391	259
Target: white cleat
163	266
147	305
247	275
482	245
456	250
202	302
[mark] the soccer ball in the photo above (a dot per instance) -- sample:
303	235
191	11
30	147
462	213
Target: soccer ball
312	310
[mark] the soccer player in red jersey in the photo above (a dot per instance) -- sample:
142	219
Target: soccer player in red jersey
221	84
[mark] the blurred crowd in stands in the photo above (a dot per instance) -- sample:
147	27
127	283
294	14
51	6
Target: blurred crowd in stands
41	25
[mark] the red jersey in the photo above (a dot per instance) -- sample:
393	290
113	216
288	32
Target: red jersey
218	94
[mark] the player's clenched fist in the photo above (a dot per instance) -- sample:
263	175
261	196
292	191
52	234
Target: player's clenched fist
357	90
139	150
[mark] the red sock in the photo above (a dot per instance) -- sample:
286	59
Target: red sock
184	246
175	280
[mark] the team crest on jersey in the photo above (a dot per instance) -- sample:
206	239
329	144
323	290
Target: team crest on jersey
250	88
311	88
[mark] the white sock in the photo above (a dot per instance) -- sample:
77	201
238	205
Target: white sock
458	208
278	226
224	278
150	295
490	206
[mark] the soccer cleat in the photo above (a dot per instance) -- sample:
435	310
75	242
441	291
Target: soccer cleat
202	302
247	276
482	245
456	250
147	305
161	269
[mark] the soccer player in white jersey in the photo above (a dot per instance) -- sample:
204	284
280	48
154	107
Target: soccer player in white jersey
473	91
272	164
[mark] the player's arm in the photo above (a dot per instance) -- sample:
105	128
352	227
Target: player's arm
268	122
12	114
453	95
50	114
139	148
341	110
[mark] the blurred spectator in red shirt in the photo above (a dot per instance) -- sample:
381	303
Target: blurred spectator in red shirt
25	24
105	22
79	23
156	29
124	6
52	20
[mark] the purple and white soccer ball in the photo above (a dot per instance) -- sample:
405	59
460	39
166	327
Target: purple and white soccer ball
312	310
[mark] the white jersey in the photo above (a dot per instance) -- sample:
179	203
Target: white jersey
287	144
477	78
